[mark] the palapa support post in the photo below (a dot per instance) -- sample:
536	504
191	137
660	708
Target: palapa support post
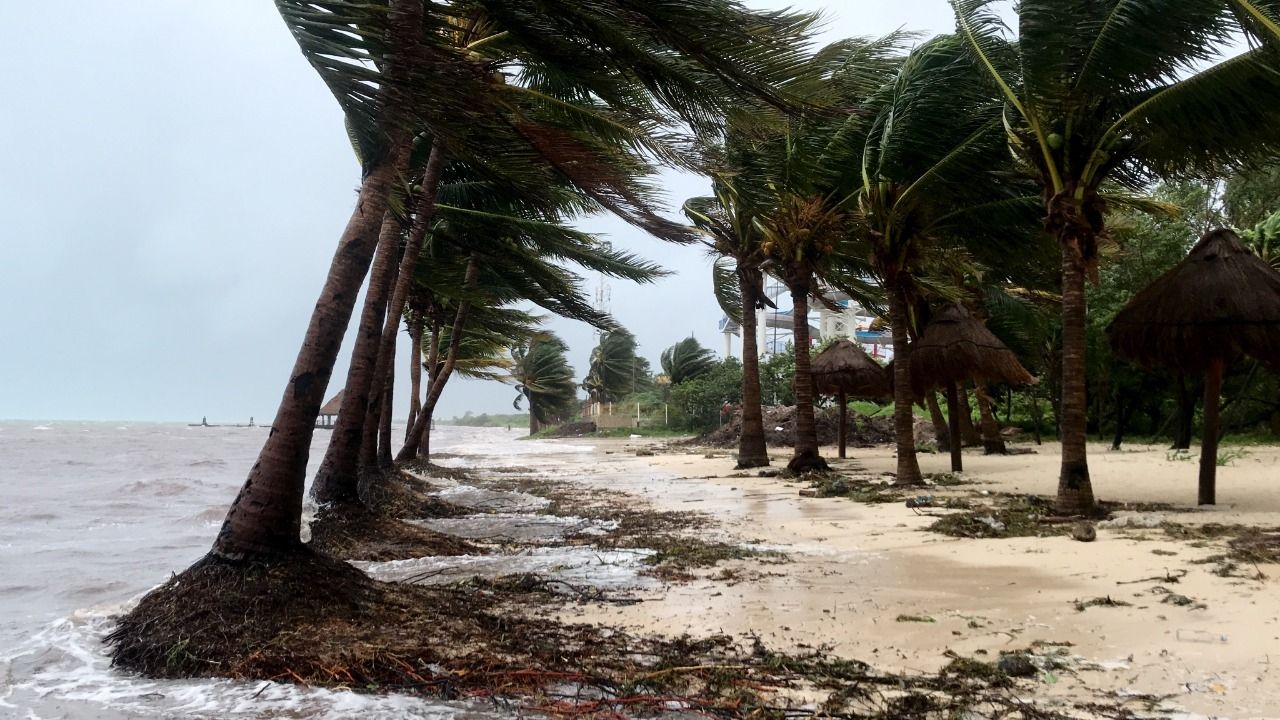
953	422
1220	303
845	370
1209	444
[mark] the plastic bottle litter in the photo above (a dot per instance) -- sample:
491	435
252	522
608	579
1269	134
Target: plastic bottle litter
1200	636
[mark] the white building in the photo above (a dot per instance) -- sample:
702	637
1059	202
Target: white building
774	325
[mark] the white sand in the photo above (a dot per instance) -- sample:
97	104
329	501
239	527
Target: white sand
857	567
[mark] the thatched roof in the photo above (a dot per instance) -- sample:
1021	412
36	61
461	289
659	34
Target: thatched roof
846	367
334	405
956	347
1221	301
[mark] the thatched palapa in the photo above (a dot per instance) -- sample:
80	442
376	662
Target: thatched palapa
954	348
846	370
1219	303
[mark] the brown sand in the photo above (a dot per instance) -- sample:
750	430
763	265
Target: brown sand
858	567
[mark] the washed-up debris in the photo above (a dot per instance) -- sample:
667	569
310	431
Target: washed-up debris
1084	532
904	618
945	479
1016	664
1181	601
1008	516
858	489
1142	521
1104	601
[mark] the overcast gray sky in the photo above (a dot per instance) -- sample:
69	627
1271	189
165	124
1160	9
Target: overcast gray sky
174	181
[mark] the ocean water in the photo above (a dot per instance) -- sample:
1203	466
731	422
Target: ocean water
96	514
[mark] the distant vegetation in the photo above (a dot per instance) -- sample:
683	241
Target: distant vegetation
469	419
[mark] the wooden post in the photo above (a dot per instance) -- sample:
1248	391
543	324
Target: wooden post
844	412
953	423
1209	443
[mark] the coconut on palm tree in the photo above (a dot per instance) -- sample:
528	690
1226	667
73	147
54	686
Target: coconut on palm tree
1111	94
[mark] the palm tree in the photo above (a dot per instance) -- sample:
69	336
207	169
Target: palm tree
738	283
1264	240
611	375
514	258
543	377
646	66
378	99
686	360
925	173
1116	92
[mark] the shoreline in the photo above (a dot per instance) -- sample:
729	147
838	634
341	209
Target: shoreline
858	569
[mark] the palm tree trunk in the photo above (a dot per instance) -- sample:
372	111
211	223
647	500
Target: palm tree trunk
1209	443
534	425
419	442
941	433
415	373
337	479
384	427
266	516
967	431
844	419
903	416
1075	492
992	443
807	457
423	214
752	451
953	416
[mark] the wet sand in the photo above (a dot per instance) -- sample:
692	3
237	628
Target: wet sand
858	567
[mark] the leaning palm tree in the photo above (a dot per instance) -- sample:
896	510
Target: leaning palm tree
542	376
727	221
1116	92
927	176
397	73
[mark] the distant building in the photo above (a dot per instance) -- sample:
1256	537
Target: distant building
774	325
329	412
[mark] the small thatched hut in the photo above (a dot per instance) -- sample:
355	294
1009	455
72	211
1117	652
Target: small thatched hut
329	412
954	348
846	370
1219	303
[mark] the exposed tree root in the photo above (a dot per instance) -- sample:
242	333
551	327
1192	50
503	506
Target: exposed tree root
355	533
808	461
374	530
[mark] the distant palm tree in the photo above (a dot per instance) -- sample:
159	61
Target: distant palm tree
1264	240
543	378
1113	93
612	373
687	360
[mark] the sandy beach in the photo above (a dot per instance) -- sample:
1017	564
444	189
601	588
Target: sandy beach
868	581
